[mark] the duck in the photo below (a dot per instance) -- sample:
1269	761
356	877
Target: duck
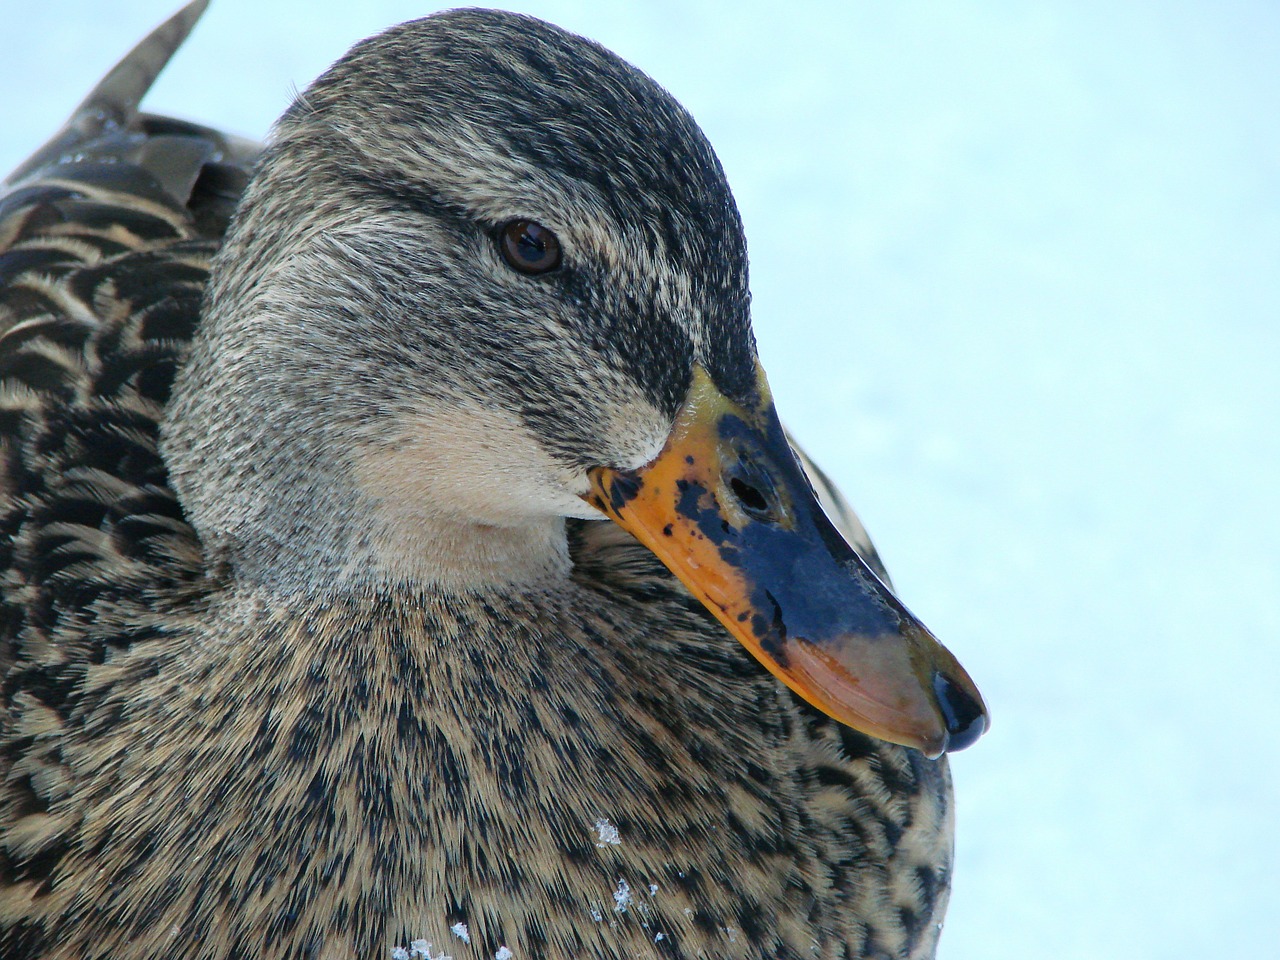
402	555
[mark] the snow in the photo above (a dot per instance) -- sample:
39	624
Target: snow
460	931
622	897
418	950
1015	284
607	834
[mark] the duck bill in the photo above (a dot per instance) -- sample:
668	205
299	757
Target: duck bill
729	511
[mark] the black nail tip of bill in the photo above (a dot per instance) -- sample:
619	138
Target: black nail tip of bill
965	718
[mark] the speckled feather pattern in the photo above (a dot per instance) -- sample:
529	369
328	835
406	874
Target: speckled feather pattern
194	767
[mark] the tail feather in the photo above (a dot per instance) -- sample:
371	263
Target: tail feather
116	97
113	103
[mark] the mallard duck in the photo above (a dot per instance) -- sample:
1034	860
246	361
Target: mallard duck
402	555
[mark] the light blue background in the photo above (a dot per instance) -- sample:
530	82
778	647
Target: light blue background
1016	285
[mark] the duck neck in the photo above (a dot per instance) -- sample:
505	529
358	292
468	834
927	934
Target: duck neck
308	474
297	499
306	522
434	556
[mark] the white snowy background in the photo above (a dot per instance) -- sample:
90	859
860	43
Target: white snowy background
1017	277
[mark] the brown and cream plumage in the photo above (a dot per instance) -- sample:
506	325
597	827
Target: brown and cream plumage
311	647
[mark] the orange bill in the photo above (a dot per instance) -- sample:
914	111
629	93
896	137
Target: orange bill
729	511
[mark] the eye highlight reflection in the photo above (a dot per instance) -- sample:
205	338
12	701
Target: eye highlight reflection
529	247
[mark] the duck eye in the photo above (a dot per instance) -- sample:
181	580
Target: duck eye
529	247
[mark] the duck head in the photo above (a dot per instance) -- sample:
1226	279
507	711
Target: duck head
489	276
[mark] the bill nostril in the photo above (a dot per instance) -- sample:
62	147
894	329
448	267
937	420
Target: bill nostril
965	717
752	500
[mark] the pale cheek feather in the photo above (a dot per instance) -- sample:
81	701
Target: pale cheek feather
464	495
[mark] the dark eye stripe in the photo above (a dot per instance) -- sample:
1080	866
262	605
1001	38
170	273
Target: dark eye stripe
529	247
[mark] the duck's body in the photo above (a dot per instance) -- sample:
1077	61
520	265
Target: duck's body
206	753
